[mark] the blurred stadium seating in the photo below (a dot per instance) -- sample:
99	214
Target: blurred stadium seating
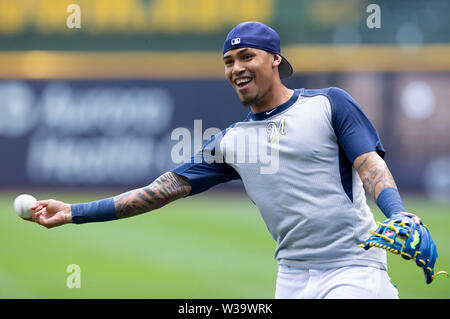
162	58
106	97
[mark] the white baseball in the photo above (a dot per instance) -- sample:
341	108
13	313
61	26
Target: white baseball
22	205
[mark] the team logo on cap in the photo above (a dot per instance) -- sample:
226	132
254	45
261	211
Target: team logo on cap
235	41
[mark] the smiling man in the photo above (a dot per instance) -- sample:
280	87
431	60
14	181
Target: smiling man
254	66
313	202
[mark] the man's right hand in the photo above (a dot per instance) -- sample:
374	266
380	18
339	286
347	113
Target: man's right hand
51	213
165	189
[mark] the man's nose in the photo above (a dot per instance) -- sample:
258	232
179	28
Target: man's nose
238	68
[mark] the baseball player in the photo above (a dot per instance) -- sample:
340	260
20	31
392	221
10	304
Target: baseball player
310	157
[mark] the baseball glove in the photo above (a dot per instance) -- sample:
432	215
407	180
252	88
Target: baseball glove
401	235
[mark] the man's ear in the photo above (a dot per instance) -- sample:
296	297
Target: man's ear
276	60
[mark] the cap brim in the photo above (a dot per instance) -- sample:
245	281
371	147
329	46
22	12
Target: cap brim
285	68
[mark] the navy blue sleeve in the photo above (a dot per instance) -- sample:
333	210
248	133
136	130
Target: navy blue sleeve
203	170
354	131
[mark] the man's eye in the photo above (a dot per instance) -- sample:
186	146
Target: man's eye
247	57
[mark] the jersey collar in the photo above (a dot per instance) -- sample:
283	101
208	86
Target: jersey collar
274	111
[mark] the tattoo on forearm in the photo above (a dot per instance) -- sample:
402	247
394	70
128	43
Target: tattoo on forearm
165	189
375	175
364	160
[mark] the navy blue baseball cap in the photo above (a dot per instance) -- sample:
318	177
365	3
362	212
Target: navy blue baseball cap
257	35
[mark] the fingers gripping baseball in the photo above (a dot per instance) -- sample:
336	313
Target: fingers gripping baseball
51	213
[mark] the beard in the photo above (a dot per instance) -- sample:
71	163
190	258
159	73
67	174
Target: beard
250	100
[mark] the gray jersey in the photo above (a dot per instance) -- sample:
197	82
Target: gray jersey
295	162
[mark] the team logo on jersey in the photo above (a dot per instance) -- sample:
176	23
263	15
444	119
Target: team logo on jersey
275	130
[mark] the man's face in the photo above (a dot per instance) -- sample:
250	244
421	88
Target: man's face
250	72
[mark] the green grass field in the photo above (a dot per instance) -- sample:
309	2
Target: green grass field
206	246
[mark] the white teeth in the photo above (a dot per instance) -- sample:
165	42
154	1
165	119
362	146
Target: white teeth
240	81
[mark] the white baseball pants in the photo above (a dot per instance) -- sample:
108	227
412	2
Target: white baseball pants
350	282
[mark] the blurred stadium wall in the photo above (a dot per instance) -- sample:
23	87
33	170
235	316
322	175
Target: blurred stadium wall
96	105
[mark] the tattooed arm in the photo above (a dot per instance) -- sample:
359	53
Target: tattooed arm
380	185
165	189
374	174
